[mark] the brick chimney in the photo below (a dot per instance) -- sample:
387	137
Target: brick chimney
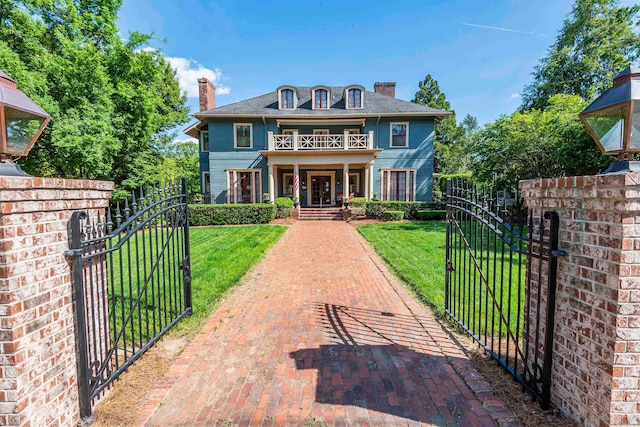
207	92
385	88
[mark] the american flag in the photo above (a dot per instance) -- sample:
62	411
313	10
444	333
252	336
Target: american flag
295	181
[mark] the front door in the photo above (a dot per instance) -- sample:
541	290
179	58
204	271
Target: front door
321	190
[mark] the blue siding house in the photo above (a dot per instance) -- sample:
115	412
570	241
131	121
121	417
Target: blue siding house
316	145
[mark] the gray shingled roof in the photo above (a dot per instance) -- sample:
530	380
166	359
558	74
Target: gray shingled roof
374	104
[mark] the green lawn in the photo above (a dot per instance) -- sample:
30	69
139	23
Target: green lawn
220	256
416	252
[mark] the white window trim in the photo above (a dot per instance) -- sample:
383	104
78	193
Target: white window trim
235	136
356	181
289	131
284	183
313	97
356	131
204	191
295	100
202	132
387	184
321	131
256	188
406	136
346	93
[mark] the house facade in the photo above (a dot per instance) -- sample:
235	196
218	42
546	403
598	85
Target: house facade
317	145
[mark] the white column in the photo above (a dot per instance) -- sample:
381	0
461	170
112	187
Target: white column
234	188
270	142
367	171
346	140
275	183
296	182
370	193
271	184
345	182
370	142
295	140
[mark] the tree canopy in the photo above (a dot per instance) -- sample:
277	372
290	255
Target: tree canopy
597	40
111	101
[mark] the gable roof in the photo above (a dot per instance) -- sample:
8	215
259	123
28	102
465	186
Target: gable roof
375	104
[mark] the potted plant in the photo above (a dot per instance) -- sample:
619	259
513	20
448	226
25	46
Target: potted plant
266	198
375	196
296	203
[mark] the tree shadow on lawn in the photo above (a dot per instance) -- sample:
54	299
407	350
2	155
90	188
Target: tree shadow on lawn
384	362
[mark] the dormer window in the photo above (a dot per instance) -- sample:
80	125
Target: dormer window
320	98
287	98
354	98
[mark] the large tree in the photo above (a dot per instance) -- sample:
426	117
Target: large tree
109	99
536	144
597	40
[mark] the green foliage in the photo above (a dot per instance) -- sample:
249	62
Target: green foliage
375	209
231	214
111	101
442	180
598	39
284	206
430	215
178	160
451	141
358	202
536	144
392	215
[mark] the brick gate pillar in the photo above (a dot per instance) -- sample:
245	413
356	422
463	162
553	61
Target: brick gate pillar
38	380
596	360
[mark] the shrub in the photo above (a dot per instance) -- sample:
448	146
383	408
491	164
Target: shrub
442	180
410	209
284	206
427	215
230	214
358	201
392	215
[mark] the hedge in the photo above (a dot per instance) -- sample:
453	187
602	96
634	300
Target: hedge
392	215
284	206
427	215
231	214
375	209
358	201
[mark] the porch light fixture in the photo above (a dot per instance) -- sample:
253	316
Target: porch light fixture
613	120
21	123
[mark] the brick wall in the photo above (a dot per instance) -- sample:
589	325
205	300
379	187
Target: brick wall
596	362
38	384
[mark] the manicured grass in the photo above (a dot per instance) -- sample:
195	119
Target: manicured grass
416	252
220	256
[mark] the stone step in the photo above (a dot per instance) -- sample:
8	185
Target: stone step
320	214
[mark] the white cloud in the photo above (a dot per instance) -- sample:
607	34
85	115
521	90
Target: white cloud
514	96
189	71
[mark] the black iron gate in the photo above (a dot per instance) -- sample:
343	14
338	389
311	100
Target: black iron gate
130	272
501	280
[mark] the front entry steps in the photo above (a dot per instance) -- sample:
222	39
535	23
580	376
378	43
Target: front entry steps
327	214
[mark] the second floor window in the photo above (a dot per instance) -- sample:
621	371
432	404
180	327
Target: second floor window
243	135
354	98
286	100
321	98
204	138
399	134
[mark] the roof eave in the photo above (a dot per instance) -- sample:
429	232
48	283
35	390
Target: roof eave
435	114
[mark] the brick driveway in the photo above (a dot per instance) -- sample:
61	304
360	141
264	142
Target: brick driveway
320	333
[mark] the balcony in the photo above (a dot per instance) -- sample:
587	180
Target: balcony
297	142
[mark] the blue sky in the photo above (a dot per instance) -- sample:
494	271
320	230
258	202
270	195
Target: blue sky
249	48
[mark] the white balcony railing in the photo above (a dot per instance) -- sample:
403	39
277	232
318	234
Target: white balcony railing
295	142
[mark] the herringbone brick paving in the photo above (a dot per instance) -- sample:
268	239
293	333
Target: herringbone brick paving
320	333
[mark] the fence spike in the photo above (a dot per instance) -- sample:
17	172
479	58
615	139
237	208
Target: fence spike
134	204
100	225
118	215
127	211
109	221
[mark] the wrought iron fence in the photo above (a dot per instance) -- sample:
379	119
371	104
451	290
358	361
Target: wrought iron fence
130	271
501	279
